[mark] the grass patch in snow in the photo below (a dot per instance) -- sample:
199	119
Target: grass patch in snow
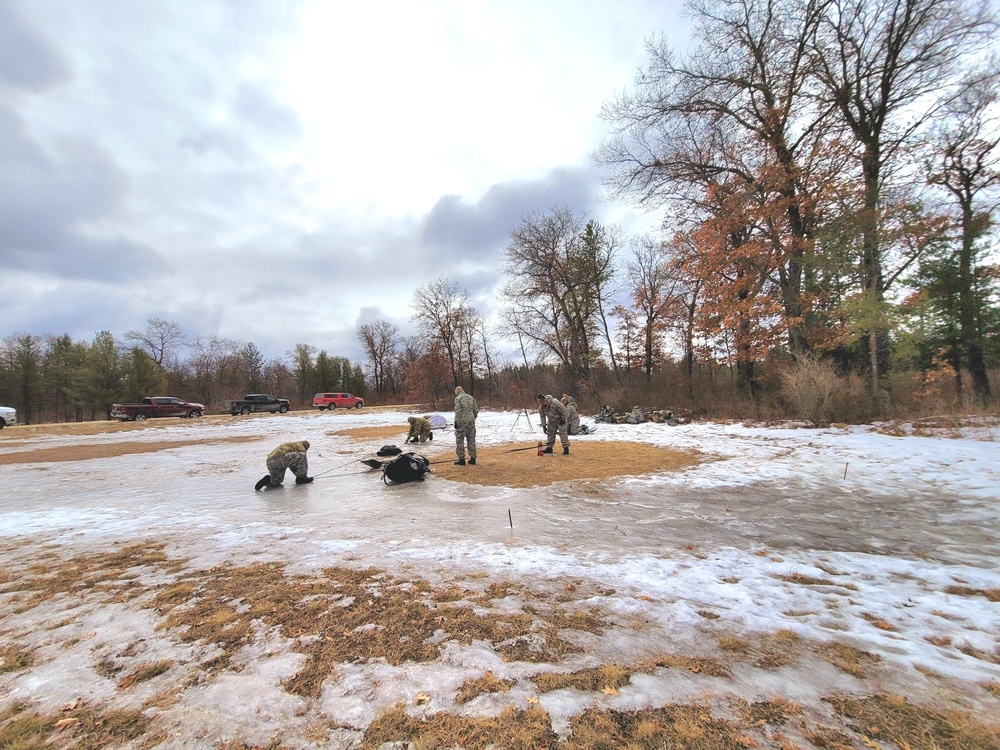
488	683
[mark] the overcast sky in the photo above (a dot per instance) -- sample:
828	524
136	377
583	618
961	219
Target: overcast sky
280	172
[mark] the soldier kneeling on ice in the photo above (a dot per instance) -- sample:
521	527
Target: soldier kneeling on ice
286	456
420	429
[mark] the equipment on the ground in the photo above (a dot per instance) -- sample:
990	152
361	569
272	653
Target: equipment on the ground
408	467
516	450
389	450
527	417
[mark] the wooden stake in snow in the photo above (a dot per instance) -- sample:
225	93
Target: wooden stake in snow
510	518
845	470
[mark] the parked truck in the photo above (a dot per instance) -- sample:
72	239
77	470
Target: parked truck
333	401
156	406
253	402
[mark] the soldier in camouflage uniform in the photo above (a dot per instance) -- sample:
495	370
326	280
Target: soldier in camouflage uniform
286	456
572	416
636	417
466	411
553	416
420	429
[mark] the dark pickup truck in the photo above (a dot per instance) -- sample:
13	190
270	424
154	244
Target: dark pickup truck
256	402
156	406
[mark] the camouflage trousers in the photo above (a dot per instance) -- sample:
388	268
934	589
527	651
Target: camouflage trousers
551	429
296	461
465	434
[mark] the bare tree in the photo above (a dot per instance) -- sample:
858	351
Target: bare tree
161	338
379	339
738	107
558	276
438	310
651	290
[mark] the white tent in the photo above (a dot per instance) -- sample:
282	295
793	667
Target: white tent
437	421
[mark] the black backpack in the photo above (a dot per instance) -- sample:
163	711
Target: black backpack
388	450
408	467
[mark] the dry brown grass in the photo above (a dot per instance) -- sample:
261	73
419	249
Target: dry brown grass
775	712
344	615
79	727
381	433
347	615
698	664
513	729
607	678
969	650
488	683
85	452
508	465
992	595
805	580
847	658
763	650
14	658
892	718
673	726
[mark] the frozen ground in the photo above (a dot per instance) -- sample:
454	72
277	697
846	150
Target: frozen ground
899	519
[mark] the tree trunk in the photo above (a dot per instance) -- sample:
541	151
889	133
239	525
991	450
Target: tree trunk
970	331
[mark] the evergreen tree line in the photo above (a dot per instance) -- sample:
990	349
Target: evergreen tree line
54	378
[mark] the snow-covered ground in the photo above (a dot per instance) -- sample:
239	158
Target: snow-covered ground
891	522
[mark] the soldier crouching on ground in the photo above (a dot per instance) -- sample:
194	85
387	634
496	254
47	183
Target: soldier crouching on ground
420	430
572	416
286	456
553	416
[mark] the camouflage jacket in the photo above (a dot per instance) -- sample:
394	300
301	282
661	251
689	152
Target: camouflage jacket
299	447
551	409
466	409
418	426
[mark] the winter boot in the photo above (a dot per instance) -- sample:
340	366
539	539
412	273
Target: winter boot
548	449
460	462
472	462
566	450
430	436
264	481
303	480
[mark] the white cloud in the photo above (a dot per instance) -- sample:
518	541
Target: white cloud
242	149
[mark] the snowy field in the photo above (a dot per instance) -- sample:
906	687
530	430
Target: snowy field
894	532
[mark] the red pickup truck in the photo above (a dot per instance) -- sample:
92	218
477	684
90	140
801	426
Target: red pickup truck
156	406
337	401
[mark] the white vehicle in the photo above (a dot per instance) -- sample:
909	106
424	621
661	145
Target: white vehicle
8	416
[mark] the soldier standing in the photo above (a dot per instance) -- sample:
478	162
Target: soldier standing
286	456
466	411
553	416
